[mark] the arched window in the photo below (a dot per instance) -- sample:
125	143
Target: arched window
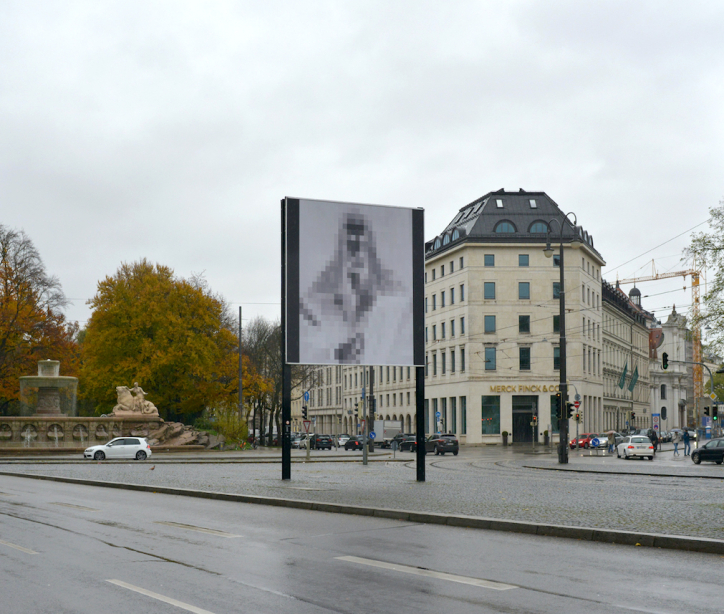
446	240
663	391
437	243
504	226
538	228
455	234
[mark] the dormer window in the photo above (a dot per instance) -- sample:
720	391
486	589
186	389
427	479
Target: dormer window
499	203
538	228
533	204
504	227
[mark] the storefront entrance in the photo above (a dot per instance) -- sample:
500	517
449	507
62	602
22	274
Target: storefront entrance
524	408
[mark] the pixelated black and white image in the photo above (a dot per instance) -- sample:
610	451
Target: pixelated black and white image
355	284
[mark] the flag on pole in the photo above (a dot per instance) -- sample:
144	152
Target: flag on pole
634	379
622	381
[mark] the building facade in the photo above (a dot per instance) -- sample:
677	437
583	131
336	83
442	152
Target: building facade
626	362
672	390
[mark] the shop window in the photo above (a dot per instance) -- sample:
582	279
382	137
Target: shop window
490	415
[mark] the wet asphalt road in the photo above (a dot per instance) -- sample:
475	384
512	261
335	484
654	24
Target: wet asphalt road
71	548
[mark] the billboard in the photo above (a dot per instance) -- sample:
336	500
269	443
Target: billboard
353	287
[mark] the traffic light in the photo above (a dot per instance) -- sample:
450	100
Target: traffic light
556	408
665	361
706	411
578	417
304	412
535	420
715	413
633	415
372	411
569	410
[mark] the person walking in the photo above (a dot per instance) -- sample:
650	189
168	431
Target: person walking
611	442
653	436
687	444
675	440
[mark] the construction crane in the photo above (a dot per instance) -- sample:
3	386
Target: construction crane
695	294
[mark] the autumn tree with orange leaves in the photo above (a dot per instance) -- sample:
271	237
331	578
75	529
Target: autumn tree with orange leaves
173	336
32	324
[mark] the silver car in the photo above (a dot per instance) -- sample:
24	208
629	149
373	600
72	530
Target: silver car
120	447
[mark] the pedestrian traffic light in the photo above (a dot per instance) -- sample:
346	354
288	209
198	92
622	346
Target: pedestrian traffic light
569	410
535	420
706	411
665	361
304	412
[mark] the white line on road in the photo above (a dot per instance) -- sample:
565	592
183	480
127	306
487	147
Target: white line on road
497	586
169	600
75	507
17	547
190	527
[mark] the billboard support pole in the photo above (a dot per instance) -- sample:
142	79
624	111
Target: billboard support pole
286	369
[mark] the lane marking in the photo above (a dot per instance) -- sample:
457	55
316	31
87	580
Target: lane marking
496	586
75	507
27	550
190	527
169	600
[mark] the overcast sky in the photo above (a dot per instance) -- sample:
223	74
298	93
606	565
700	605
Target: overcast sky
171	130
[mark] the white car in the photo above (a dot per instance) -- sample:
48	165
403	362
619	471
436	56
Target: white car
120	447
342	439
635	445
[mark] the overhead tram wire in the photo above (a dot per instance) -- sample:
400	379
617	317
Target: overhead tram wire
658	246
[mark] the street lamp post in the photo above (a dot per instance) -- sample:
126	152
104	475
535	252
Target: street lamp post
563	387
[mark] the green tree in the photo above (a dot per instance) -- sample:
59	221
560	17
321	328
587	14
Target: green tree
707	248
32	324
169	334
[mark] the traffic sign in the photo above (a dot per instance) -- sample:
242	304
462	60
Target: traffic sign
306	397
438	414
372	435
713	396
577	397
307	424
577	404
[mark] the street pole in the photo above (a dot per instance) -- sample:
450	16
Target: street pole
366	432
241	393
373	408
563	386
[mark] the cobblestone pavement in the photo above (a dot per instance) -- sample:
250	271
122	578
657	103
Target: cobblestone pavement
489	482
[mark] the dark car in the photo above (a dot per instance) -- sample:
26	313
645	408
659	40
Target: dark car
322	442
439	444
711	451
400	437
408	442
355	443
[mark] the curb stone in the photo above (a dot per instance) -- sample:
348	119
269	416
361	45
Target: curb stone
609	536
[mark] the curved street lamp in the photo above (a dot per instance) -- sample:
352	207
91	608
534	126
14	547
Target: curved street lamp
563	386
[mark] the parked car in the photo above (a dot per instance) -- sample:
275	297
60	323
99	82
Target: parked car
356	442
711	451
599	440
321	442
298	442
120	447
342	439
635	445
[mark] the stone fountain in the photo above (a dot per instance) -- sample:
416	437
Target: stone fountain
49	419
56	395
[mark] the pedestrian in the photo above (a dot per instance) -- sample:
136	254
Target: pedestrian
675	440
611	441
654	439
687	444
